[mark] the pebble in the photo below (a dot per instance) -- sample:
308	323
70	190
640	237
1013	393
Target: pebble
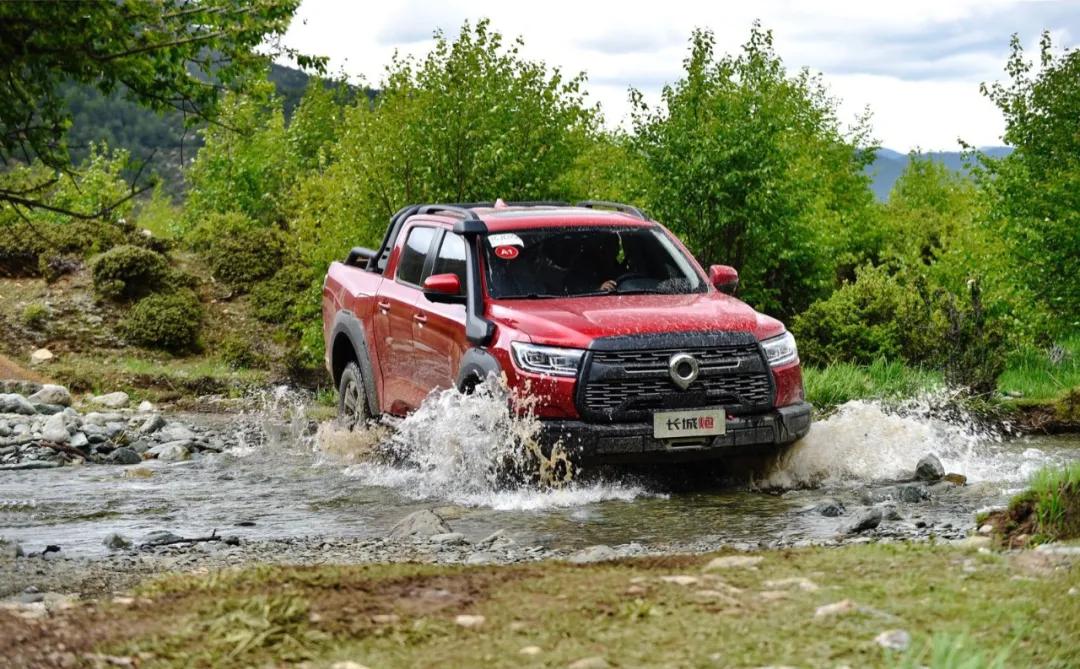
843	607
589	663
347	665
469	621
600	553
680	579
424	523
897	640
529	650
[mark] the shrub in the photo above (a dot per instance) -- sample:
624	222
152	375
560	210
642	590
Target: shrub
128	272
34	315
238	250
238	353
973	345
169	321
873	317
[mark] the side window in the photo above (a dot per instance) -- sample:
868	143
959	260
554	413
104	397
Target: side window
451	258
411	264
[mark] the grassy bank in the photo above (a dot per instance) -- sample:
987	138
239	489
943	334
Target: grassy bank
673	611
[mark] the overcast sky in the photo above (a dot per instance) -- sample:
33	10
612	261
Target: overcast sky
917	63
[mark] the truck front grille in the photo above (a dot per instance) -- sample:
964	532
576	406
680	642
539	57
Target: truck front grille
628	385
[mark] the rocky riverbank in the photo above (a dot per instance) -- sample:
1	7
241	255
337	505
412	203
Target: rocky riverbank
43	426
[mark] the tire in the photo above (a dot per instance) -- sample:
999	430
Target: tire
352	397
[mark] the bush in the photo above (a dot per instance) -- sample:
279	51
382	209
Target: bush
34	315
238	353
169	321
128	272
873	317
973	348
238	250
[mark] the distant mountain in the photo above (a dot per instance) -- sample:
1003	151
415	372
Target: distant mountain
888	165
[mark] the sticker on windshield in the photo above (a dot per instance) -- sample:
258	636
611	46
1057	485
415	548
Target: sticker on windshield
506	252
504	239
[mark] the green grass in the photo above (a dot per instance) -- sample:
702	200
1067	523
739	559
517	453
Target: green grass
1055	494
955	603
1036	378
829	387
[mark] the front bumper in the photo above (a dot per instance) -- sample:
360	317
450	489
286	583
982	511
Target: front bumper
629	442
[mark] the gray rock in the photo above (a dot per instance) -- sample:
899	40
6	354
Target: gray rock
830	508
79	440
47	409
125	456
95	434
152	424
41	356
448	538
497	539
897	640
912	494
15	403
52	394
866	521
171	451
117	400
929	469
176	432
146	406
116	542
599	553
139	446
55	430
424	523
31	464
481	557
161	537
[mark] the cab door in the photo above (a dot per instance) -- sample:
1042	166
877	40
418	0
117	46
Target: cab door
395	315
439	330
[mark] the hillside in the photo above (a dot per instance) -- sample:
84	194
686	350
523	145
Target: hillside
888	165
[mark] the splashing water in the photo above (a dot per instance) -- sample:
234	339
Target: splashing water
870	441
460	448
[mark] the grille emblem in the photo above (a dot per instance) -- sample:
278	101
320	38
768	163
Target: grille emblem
683	369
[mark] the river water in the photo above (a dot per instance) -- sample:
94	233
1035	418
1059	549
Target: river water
292	483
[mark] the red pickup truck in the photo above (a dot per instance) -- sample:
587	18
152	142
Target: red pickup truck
633	350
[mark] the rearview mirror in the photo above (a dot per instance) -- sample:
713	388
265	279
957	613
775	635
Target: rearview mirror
725	278
444	288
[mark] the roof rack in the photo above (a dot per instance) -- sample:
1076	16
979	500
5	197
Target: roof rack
462	210
617	206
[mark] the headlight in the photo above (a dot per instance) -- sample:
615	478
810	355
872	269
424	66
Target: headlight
546	359
780	350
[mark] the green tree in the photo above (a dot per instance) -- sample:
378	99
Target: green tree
164	54
1034	193
752	167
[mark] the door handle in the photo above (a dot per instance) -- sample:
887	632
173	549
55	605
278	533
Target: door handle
385	306
420	318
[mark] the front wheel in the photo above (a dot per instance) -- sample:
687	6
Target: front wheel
352	397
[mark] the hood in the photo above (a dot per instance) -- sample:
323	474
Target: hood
575	322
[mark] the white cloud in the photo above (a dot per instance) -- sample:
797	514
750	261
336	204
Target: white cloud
916	64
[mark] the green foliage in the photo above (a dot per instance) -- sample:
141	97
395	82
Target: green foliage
1034	193
837	383
238	251
1036	374
161	54
973	345
238	352
751	166
1053	497
946	651
35	315
129	272
159	214
168	321
874	317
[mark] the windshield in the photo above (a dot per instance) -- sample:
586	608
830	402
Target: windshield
576	262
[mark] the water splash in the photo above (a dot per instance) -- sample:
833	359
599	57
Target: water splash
473	450
872	441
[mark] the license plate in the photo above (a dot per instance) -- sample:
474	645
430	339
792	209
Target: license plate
689	423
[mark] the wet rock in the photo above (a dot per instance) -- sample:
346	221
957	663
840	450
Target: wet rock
41	356
116	542
929	469
171	451
139	446
830	508
79	440
10	550
30	464
599	553
912	494
15	403
146	406
176	432
117	400
152	424
55	430
868	520
47	409
956	479
889	512
897	640
734	562
125	456
161	537
51	393
424	523
497	539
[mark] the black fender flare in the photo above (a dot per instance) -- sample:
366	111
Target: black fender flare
476	366
348	326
